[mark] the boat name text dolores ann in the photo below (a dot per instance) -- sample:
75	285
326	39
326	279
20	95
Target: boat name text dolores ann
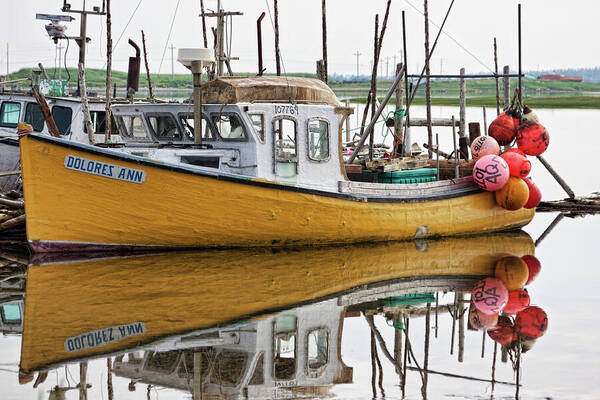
105	169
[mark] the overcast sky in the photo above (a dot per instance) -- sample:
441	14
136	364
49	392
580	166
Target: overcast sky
555	33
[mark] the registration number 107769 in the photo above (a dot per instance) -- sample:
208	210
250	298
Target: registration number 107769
286	109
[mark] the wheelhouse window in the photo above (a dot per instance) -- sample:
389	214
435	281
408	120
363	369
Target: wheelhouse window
98	119
258	123
62	117
285	131
187	121
132	128
164	127
229	127
318	349
11	313
34	116
318	139
9	114
285	352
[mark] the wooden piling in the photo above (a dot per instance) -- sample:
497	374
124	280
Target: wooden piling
456	153
398	121
374	83
461	327
108	110
109	382
506	88
485	125
557	177
204	24
474	131
347	104
85	106
428	81
147	68
41	100
496	79
398	346
276	29
426	351
462	132
197	384
83	367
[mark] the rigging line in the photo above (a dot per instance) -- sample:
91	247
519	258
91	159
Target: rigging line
125	28
280	55
452	38
168	36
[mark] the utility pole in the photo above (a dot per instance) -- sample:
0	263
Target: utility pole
387	67
172	64
7	61
82	39
220	57
357	54
59	61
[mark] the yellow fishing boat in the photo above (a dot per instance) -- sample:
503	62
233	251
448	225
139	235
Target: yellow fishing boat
81	309
266	174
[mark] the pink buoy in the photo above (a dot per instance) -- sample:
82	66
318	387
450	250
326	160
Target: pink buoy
484	145
491	173
490	295
479	320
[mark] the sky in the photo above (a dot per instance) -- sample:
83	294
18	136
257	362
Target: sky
555	34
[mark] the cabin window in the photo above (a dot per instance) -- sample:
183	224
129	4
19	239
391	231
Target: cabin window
11	313
62	117
285	133
164	361
9	114
132	127
99	123
34	116
186	365
285	346
258	122
318	139
187	121
164	127
228	367
229	127
318	349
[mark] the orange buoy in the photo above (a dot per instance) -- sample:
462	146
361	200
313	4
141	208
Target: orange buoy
518	300
479	320
512	271
513	195
484	145
535	194
503	332
531	323
532	138
533	267
503	129
518	165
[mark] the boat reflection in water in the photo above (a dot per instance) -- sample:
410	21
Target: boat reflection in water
243	323
13	273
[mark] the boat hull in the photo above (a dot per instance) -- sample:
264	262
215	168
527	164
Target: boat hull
70	208
9	161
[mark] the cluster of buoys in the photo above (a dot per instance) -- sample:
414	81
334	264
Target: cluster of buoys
507	173
501	305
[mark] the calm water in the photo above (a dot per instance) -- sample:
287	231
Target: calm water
292	324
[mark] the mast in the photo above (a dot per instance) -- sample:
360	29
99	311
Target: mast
220	57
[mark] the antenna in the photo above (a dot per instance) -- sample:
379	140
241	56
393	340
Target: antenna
220	56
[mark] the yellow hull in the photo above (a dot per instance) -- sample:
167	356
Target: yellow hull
174	207
174	293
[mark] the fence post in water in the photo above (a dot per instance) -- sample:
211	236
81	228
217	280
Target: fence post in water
506	87
463	145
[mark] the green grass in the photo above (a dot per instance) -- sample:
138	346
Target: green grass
589	102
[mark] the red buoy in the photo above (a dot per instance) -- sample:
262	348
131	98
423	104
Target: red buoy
531	323
503	332
532	138
518	300
519	166
535	195
533	265
503	129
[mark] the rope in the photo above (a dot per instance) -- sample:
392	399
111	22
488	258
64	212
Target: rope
452	38
168	36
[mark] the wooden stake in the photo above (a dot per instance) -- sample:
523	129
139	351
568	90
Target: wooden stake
374	84
398	122
203	25
497	81
373	365
277	56
428	81
109	384
461	327
197	393
555	175
506	88
426	351
41	100
85	106
147	68
485	125
109	46
462	131
325	66
456	157
398	346
347	104
83	366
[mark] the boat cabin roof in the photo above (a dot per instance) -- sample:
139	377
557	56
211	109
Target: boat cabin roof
268	89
